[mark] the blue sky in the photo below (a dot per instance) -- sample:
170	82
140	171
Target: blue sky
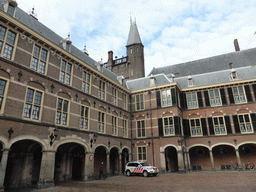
172	31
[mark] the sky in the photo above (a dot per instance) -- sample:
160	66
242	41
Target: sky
172	31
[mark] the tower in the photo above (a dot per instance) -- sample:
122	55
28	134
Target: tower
135	53
131	66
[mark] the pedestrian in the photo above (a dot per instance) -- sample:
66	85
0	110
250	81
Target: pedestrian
101	171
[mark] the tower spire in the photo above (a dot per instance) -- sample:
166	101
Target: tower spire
133	37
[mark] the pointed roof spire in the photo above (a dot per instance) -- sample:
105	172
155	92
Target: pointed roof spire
134	37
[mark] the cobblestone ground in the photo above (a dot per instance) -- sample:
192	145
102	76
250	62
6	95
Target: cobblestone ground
171	182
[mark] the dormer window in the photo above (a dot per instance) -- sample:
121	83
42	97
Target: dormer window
190	81
10	7
233	74
66	43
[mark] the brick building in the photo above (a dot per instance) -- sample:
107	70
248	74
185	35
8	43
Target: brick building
62	113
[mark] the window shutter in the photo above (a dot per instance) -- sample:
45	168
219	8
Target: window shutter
186	130
204	126
177	125
183	100
206	97
230	94
236	124
228	125
210	123
200	100
174	98
158	99
254	90
160	127
253	117
248	93
223	96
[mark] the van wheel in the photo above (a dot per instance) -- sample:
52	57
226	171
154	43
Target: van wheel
145	173
128	173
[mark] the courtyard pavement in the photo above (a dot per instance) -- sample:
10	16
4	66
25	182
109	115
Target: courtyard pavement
190	182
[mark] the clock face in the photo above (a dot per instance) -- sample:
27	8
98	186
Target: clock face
91	157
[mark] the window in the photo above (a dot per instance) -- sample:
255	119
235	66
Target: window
86	82
125	129
168	126
10	10
39	58
114	125
101	122
142	153
233	75
219	126
102	90
245	123
166	98
215	97
7	40
190	82
131	50
139	102
195	126
32	108
84	113
3	85
192	100
114	96
124	101
141	128
65	73
62	112
68	45
239	95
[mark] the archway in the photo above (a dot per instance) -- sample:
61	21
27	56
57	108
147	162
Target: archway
69	162
114	161
224	157
23	165
100	156
247	154
171	160
199	158
125	159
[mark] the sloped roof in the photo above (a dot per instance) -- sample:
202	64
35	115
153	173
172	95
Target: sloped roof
211	64
142	83
217	77
41	29
133	37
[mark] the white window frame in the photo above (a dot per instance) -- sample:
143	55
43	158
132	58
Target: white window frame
39	59
139	102
214	98
238	96
86	84
101	122
62	112
8	43
245	125
193	99
4	94
166	98
141	128
219	127
196	128
142	153
168	125
84	117
64	73
33	104
114	125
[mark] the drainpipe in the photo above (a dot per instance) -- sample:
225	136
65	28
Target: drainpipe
151	123
131	126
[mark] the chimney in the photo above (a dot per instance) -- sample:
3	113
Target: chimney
237	48
110	55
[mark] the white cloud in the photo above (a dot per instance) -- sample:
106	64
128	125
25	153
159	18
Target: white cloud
171	31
